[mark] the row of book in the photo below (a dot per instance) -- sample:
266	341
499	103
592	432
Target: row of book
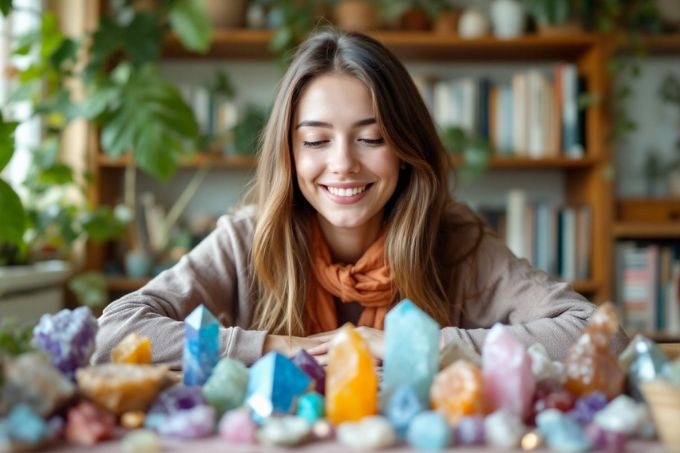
533	114
554	238
648	286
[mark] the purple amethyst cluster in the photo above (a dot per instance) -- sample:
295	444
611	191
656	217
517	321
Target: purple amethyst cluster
68	337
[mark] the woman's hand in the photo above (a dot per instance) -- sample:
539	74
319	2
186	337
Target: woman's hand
288	346
375	338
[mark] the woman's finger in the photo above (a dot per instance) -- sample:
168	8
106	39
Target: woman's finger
319	349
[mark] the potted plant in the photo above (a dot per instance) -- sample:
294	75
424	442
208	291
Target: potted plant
553	17
670	92
412	15
135	106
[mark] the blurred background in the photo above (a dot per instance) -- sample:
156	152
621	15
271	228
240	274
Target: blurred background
128	127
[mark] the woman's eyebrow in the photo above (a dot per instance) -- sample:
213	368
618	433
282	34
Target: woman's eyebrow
313	123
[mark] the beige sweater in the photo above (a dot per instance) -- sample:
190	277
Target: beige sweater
215	273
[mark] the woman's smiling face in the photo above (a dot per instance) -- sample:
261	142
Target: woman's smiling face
345	169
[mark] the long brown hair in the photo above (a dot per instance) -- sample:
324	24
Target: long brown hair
414	216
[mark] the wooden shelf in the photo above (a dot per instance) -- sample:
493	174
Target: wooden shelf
247	162
198	160
585	286
428	46
640	230
662	44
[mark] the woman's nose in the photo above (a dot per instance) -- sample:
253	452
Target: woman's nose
341	159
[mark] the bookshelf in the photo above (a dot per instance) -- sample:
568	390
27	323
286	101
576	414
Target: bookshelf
586	179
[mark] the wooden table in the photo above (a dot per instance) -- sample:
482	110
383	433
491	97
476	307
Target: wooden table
217	445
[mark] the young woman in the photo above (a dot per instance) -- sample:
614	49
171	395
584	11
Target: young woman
351	213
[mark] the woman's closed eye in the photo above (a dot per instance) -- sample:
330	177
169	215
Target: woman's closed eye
372	141
314	143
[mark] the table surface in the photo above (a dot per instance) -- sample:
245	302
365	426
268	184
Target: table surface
216	444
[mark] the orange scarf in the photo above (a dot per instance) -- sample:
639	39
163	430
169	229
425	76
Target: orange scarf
368	282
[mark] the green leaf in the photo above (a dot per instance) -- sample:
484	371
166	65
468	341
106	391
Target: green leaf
282	40
5	7
156	155
101	224
66	54
52	37
6	141
98	101
15	337
90	289
143	38
14	219
189	20
56	174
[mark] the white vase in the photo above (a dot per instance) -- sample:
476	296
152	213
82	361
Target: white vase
473	24
508	18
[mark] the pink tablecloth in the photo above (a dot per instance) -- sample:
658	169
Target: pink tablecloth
216	445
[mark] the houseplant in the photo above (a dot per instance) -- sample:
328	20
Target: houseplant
134	105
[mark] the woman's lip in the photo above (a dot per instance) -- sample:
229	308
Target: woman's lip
346	185
347	200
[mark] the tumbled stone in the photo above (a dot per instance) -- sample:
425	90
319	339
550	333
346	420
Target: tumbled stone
323	430
587	406
543	367
623	415
592	364
469	431
201	346
645	361
351	380
402	407
22	429
429	431
31	379
284	431
169	401
86	424
120	388
371	433
457	391
559	399
68	337
238	427
561	432
411	343
311	367
132	349
508	381
531	441
274	384
606	440
133	419
194	423
310	407
141	441
503	429
225	389
454	351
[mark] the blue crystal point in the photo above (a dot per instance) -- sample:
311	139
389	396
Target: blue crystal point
411	343
273	385
201	346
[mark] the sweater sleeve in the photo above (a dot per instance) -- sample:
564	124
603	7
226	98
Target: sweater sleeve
215	274
536	308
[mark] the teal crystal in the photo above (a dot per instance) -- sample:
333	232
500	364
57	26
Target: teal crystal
23	428
402	407
411	351
201	346
274	384
310	406
645	362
